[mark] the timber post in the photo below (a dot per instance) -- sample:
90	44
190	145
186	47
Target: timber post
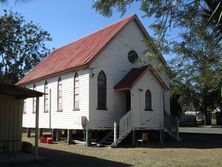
133	138
88	137
115	134
28	132
178	134
161	136
58	134
69	136
40	132
54	134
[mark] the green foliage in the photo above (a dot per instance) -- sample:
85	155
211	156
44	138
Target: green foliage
198	66
196	46
214	15
168	15
22	46
175	107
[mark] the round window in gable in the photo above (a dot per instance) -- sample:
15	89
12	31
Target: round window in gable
132	56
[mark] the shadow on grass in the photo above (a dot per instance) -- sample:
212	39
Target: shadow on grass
197	141
189	140
57	158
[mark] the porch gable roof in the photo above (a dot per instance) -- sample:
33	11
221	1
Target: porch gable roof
130	79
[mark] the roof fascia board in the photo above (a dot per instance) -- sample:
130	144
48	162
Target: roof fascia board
53	75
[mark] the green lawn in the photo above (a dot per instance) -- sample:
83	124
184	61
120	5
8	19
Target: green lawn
197	153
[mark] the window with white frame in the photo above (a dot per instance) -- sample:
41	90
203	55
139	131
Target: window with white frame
148	101
24	107
34	101
46	100
76	92
59	95
101	96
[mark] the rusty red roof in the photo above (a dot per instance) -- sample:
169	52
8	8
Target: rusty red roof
130	79
75	55
78	54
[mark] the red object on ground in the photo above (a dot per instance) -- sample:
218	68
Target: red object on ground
49	140
43	140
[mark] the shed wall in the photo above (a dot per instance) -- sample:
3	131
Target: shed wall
11	121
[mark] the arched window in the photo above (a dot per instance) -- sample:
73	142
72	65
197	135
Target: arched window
148	101
46	100
34	102
59	95
24	107
101	91
76	92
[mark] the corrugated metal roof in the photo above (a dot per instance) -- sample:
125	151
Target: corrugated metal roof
75	55
130	79
18	92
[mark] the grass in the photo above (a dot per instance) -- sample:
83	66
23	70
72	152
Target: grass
202	151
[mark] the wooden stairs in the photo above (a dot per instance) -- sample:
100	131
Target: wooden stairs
120	139
108	139
114	138
171	125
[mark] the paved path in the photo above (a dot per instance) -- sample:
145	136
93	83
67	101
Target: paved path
202	130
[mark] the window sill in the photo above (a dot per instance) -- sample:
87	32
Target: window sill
60	110
148	109
45	111
33	112
101	109
76	109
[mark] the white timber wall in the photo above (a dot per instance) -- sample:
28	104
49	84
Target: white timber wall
11	121
114	62
147	119
68	118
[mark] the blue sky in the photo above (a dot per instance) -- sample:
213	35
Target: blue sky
68	20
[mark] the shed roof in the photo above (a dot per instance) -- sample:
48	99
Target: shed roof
18	92
130	79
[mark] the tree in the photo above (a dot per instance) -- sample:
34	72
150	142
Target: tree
22	46
198	65
5	1
197	49
168	14
214	15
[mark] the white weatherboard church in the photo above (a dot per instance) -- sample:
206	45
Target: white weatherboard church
95	81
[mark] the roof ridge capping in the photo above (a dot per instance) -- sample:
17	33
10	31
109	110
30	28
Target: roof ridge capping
131	17
43	69
78	54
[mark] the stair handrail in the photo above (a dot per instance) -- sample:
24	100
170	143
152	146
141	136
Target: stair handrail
172	125
170	122
125	123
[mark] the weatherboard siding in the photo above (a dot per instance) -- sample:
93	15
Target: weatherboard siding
114	62
11	121
67	119
141	118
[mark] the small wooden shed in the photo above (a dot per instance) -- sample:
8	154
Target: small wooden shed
11	110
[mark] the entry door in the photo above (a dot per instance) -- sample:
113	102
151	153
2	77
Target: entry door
128	101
